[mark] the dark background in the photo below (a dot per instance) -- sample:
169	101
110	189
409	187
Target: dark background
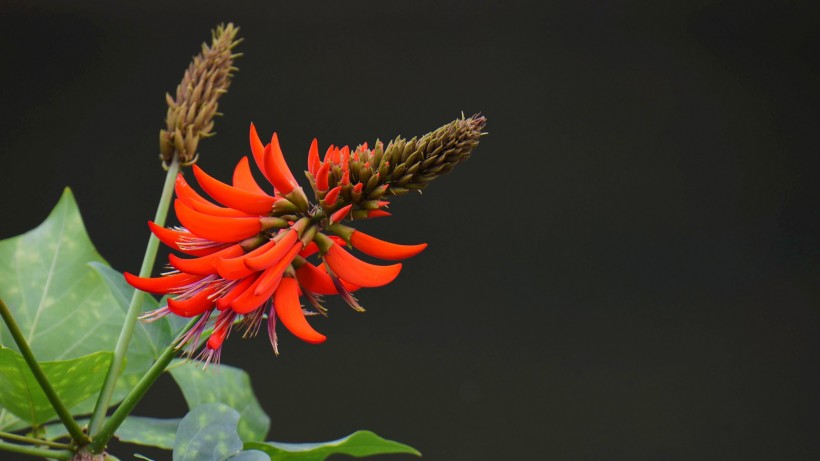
625	269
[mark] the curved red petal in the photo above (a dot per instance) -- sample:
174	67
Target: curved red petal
276	271
216	228
238	199
313	157
348	286
235	268
191	198
258	151
289	310
205	264
225	301
358	272
278	171
249	300
272	255
268	282
161	285
171	238
322	177
309	250
340	214
192	306
315	280
243	177
332	195
378	214
377	248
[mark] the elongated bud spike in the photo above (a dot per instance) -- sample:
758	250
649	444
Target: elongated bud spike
191	112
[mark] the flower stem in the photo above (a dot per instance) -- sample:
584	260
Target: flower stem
127	330
65	416
100	439
34	451
33	441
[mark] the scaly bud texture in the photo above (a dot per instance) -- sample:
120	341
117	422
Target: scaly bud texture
256	252
191	113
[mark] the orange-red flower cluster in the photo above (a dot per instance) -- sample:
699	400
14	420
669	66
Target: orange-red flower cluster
255	254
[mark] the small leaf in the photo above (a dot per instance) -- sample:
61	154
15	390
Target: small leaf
223	384
358	445
208	433
74	380
152	432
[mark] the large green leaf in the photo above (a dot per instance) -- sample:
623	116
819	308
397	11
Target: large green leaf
223	384
358	444
154	432
74	380
62	307
68	303
208	433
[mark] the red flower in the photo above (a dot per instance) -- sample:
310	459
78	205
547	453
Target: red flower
252	250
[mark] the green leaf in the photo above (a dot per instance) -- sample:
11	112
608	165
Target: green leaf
74	380
153	432
68	302
208	433
60	304
223	384
358	444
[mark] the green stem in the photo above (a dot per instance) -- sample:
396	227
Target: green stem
65	416
127	330
32	440
34	451
100	439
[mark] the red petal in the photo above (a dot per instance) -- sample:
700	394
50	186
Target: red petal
277	271
258	150
191	198
378	214
216	228
205	264
340	214
235	268
358	272
358	187
372	246
171	238
289	310
277	168
243	178
348	286
273	254
249	300
332	195
161	285
225	301
192	306
309	250
239	199
322	177
313	157
315	280
345	178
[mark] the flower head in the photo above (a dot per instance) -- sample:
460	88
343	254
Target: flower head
254	253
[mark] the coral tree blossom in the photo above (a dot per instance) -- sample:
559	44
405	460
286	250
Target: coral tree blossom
253	255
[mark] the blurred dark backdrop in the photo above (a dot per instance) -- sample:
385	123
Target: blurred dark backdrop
625	269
